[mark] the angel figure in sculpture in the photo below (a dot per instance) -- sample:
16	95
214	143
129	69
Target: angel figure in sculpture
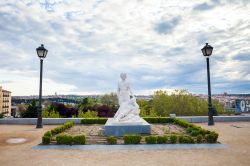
129	109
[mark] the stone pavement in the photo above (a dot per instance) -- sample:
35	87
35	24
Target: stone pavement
235	135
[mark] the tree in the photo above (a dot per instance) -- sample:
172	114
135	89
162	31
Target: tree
146	108
110	99
86	102
50	112
181	103
31	111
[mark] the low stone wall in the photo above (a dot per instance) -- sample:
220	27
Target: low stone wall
55	121
32	121
202	119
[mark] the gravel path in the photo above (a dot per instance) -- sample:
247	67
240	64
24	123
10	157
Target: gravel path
235	135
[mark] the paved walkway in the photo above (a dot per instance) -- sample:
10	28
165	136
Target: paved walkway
235	135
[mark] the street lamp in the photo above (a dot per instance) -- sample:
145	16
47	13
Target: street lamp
207	51
41	52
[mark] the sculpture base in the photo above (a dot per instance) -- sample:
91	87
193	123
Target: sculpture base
113	128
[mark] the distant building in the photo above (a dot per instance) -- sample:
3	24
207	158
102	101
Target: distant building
5	102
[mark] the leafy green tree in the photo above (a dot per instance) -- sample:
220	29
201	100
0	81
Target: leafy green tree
161	103
146	108
85	102
31	111
181	103
50	112
109	99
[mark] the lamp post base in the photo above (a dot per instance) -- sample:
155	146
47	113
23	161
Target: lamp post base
210	117
39	127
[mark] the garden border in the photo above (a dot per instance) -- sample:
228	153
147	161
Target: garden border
133	147
198	134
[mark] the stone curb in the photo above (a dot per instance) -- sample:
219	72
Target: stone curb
133	147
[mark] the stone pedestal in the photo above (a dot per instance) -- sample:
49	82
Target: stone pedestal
113	128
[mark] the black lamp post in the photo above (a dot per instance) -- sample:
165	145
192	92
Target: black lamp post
207	51
41	52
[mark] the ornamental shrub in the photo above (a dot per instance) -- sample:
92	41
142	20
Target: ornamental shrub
159	119
48	134
199	138
45	140
183	123
204	132
162	139
189	129
151	119
195	133
151	139
132	139
69	124
112	140
212	137
60	129
64	139
173	139
165	120
79	139
57	130
94	120
186	139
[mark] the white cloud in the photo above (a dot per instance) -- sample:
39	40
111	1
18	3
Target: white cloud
91	42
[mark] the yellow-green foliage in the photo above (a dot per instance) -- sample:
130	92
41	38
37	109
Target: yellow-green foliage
180	102
112	140
132	139
88	114
79	139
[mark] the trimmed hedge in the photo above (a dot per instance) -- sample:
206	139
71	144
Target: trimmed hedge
212	137
79	139
159	119
151	139
67	139
193	130
132	139
112	140
186	139
173	139
199	138
46	140
60	129
94	120
48	134
195	133
162	139
64	139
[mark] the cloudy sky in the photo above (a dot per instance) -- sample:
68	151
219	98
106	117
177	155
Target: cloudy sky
157	42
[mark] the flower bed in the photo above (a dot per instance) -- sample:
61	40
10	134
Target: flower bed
190	133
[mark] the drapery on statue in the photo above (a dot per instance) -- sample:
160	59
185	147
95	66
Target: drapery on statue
129	109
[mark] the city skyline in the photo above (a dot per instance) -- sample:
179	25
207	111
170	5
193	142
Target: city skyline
158	43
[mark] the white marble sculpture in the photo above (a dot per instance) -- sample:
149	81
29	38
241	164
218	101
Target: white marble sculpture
129	109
